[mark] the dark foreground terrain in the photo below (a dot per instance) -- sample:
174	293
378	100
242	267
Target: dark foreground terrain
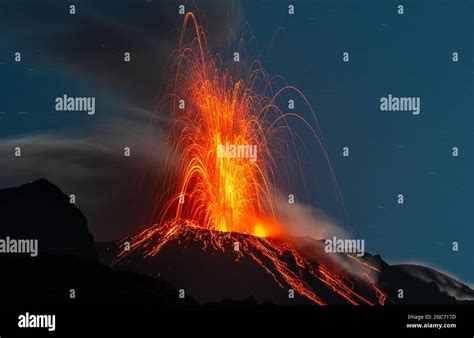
70	267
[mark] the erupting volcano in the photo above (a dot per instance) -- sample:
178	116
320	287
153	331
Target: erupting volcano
232	146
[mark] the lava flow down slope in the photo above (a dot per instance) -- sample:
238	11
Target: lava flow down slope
212	265
233	150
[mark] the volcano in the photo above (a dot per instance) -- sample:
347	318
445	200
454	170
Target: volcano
204	263
207	265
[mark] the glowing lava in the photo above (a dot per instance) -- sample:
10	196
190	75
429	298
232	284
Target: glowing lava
225	131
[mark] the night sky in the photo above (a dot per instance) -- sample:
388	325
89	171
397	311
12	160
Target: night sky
391	152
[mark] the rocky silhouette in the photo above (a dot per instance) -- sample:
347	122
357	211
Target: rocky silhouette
66	271
212	275
70	267
40	210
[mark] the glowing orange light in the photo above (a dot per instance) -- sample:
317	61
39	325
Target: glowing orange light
259	231
222	134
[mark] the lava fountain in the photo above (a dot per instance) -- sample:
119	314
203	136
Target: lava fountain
228	134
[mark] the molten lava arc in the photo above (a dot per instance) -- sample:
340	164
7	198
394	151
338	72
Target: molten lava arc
225	132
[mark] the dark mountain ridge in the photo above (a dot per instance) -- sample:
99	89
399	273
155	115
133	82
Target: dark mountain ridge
41	211
211	274
69	259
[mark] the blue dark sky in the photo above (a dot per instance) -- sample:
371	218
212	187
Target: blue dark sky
390	152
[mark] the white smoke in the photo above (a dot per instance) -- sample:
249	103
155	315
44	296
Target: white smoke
302	221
